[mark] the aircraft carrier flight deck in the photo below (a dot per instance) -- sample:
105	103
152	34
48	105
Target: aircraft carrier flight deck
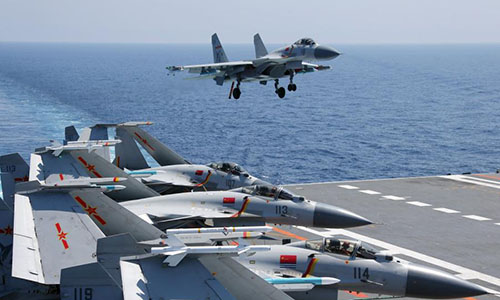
448	222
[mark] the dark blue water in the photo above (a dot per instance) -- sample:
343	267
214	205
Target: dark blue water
383	111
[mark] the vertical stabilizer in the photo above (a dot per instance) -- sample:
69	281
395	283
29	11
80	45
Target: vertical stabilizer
13	169
219	54
260	49
127	154
70	134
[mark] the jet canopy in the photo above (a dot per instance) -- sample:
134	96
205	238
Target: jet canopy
229	167
271	191
305	42
342	247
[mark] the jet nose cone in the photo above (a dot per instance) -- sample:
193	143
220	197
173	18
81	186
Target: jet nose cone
325	53
424	282
334	217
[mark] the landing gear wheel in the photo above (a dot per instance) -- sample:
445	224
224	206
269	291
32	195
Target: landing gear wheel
236	93
281	92
290	87
294	87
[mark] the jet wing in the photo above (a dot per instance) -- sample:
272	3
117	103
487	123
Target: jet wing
163	178
211	68
68	236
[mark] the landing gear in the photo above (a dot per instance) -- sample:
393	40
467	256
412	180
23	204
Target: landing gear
236	92
279	90
292	87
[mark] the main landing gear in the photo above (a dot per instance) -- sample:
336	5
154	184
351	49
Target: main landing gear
279	90
292	87
236	92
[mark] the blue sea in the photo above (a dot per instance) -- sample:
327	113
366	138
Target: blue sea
382	111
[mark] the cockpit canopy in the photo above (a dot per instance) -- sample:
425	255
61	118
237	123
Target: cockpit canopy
271	191
229	167
342	247
305	42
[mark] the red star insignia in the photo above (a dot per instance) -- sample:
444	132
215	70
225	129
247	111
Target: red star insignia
91	210
91	168
62	235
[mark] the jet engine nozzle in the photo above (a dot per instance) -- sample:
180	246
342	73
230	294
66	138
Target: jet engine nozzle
425	282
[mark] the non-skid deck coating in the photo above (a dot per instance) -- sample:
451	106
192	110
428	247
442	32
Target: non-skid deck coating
448	222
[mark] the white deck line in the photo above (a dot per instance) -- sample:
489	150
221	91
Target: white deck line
392	197
471	180
418	203
477	218
348	187
464	272
446	210
369	192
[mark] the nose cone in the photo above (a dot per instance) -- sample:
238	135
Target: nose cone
325	53
334	217
424	282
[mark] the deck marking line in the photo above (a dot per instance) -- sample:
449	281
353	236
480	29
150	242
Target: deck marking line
348	187
446	210
369	192
292	235
418	203
477	218
420	256
472	180
497	224
392	197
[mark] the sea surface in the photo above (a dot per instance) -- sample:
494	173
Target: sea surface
383	110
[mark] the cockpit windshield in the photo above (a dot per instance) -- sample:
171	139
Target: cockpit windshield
305	42
271	191
342	247
228	167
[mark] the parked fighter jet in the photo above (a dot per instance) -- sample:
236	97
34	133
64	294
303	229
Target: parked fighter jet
134	261
356	267
283	62
175	174
219	208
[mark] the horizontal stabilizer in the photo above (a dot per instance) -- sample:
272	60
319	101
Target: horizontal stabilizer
90	281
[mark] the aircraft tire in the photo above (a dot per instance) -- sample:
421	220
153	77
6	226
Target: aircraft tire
281	92
290	87
236	93
294	87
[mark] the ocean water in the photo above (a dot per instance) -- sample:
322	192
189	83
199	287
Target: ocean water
383	111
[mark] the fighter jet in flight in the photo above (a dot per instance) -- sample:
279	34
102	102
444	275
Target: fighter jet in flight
353	266
283	62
